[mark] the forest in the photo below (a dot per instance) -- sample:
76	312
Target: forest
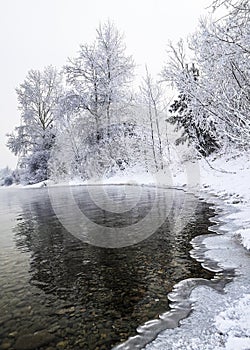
91	119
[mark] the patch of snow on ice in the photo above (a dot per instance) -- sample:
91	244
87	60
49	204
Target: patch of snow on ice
243	235
235	324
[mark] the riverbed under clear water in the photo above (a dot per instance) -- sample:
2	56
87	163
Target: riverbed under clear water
91	296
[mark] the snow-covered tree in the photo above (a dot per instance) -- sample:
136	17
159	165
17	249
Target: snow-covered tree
97	102
152	98
6	178
186	114
200	132
100	76
80	152
38	97
222	49
216	101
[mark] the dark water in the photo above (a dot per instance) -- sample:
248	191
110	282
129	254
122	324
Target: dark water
83	296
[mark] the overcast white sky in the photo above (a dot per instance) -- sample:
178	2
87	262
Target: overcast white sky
36	33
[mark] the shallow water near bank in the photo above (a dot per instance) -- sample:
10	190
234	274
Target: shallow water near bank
85	296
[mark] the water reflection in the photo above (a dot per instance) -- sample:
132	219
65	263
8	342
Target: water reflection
98	296
108	224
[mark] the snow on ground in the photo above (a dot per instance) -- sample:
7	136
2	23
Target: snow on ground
36	185
235	321
220	320
234	188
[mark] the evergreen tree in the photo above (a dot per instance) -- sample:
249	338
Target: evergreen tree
204	140
201	134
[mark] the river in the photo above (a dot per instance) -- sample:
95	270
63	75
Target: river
62	289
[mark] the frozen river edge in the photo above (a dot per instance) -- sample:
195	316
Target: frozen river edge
216	310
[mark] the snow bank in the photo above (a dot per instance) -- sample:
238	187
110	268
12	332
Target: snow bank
231	182
130	178
235	323
229	176
243	236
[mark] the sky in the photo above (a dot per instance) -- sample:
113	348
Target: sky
37	33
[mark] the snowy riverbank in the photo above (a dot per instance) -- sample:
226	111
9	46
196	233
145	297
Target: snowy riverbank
233	188
220	320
